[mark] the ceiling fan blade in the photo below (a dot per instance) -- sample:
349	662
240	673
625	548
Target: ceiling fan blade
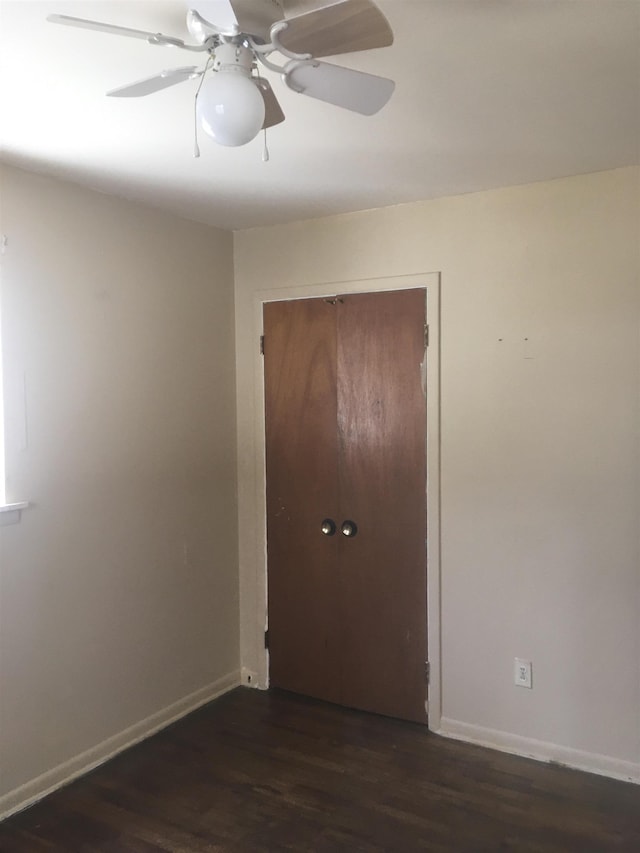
254	17
273	111
85	24
345	26
154	84
344	87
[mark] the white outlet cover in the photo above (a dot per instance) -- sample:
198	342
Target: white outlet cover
522	673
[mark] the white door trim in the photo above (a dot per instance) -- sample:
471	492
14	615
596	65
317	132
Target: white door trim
256	672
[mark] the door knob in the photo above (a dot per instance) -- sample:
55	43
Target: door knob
328	527
349	529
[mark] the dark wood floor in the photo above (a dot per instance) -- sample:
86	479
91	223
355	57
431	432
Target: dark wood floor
269	771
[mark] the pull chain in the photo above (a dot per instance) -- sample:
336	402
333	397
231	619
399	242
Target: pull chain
265	149
196	147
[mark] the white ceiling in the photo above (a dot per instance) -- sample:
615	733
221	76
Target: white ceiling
489	93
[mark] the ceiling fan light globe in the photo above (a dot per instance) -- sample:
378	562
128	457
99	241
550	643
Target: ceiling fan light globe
230	108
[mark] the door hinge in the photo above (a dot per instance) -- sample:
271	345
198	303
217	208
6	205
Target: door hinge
261	344
426	334
266	639
427	671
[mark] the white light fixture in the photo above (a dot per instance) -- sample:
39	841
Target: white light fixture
230	106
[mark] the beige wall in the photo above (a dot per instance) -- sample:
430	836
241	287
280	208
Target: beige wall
119	587
540	554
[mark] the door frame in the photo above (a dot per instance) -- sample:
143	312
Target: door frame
255	671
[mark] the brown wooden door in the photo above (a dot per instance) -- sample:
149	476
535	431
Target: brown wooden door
345	440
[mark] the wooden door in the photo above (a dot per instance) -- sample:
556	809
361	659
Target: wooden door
345	440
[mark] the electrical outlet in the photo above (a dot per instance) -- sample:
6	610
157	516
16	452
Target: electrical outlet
522	673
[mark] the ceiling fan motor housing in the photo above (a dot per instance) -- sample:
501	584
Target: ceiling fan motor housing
233	57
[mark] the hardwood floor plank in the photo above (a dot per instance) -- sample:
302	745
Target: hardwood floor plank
258	771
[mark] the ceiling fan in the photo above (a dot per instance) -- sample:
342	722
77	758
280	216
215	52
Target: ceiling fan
233	101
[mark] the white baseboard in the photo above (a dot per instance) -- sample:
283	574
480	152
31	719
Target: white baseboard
49	781
591	762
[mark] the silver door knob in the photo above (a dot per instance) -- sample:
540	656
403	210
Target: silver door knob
328	527
349	529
